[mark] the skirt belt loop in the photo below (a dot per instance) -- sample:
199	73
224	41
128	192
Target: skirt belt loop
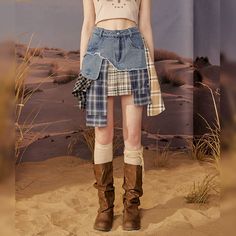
101	32
130	32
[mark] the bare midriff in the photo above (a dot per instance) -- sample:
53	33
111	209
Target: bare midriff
116	24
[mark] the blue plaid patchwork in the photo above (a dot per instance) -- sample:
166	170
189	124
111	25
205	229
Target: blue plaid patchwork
140	86
97	93
96	110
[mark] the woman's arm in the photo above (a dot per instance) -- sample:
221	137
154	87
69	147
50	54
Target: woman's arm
145	26
88	24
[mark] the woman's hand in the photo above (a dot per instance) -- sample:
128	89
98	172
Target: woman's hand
145	25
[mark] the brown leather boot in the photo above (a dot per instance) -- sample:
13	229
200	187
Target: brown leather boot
106	194
133	190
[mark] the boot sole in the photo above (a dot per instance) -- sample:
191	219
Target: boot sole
130	229
102	229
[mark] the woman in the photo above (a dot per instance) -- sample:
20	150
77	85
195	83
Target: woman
116	59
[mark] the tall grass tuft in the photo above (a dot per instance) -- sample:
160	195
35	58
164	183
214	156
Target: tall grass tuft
89	138
22	96
162	157
207	147
200	191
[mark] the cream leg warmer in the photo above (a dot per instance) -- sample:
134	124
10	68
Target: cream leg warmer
134	157
103	153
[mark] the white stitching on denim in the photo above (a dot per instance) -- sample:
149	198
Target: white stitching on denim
98	53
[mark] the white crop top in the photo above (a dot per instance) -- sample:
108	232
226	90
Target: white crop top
110	9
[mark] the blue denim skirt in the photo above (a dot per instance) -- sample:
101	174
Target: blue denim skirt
114	64
124	49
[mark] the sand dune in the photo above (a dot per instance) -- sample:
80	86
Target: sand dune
56	197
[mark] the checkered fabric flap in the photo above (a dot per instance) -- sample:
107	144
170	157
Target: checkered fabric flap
157	104
82	84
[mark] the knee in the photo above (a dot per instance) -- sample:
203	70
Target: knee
133	137
104	135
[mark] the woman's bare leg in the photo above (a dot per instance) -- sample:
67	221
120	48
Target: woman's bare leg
131	121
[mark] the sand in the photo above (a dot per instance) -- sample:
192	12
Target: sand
57	197
54	188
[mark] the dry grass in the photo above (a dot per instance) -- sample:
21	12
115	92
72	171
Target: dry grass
53	71
36	52
162	157
207	147
22	96
161	55
197	148
89	138
172	77
200	191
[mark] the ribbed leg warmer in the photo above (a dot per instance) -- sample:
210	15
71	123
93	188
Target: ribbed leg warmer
134	157
103	153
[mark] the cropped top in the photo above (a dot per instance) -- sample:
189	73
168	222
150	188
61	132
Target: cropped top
110	9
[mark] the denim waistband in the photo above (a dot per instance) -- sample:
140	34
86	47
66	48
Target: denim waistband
115	33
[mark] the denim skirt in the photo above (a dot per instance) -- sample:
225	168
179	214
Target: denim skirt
114	64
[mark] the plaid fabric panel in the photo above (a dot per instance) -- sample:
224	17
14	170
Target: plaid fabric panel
157	104
140	86
96	120
80	90
118	82
96	114
112	82
97	93
134	82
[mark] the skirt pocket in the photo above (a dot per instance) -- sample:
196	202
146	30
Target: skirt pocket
91	66
135	40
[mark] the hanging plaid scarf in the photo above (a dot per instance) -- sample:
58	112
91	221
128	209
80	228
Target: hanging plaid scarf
80	90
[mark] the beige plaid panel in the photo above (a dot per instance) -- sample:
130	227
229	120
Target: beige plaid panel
157	104
118	82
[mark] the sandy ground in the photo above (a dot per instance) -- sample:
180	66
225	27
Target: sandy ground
56	197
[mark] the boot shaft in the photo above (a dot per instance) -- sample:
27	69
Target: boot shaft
132	184
104	184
